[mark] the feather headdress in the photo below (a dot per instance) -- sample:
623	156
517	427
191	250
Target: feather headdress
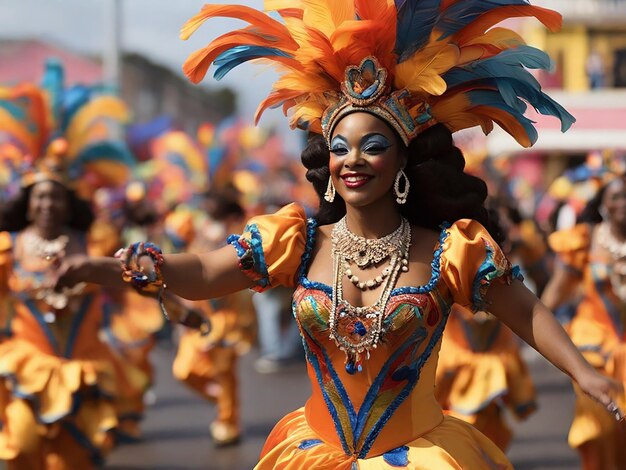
63	134
413	63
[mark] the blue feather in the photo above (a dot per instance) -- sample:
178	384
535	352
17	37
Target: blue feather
415	22
117	151
53	82
538	100
235	56
460	14
72	101
509	63
494	99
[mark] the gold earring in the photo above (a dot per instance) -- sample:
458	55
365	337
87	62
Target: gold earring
329	195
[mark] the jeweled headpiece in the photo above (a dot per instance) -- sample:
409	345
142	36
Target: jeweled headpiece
412	63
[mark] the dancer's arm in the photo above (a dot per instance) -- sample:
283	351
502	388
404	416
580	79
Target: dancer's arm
561	287
532	321
191	276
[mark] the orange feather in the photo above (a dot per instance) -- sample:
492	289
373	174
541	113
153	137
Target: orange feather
257	18
551	19
198	63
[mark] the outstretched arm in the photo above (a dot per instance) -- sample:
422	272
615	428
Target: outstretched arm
561	287
531	320
191	276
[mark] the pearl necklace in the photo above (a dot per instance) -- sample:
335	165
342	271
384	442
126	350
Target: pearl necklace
46	249
358	330
607	240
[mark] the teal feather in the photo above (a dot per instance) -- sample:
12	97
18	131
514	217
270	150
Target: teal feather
235	56
414	24
493	99
509	63
105	150
72	101
53	82
459	15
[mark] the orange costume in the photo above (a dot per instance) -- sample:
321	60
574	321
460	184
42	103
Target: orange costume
386	414
60	382
598	329
129	324
413	65
207	363
481	372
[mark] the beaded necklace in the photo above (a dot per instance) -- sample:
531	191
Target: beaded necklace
358	330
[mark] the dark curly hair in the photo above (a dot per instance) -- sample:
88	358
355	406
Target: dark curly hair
440	190
13	216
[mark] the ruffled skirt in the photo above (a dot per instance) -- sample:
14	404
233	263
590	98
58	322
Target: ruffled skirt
453	444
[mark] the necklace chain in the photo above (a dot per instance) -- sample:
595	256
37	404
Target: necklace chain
358	330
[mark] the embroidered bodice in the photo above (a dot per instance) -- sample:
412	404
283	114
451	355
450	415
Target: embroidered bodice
391	401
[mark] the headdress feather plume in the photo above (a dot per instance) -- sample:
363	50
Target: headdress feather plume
411	62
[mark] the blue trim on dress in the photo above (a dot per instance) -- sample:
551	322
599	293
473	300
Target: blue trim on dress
329	404
435	273
416	339
34	310
435	338
76	324
96	456
397	457
486	274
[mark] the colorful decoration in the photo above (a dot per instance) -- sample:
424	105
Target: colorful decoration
411	63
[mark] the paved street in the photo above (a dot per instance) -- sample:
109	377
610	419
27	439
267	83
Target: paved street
176	433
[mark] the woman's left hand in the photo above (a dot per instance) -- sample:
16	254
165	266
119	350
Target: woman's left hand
603	389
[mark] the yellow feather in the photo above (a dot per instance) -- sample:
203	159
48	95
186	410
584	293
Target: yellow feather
422	72
489	45
83	122
327	15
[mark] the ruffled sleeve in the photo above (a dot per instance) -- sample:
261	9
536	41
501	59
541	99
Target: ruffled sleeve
271	247
471	262
572	246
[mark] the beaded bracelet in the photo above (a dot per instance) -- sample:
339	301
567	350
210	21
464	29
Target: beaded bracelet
133	272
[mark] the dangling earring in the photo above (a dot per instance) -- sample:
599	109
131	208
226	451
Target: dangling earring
401	196
329	195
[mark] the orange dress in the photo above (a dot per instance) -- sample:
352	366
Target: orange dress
130	324
59	383
481	373
599	331
386	415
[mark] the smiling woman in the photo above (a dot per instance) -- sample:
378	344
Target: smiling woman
383	84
